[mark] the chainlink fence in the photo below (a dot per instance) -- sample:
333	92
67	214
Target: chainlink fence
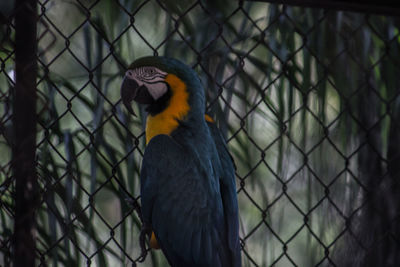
307	98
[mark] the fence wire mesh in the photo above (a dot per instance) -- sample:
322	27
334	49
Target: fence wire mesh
308	100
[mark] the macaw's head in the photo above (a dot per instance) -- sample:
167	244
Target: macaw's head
163	83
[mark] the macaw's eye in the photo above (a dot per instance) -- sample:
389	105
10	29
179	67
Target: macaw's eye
150	71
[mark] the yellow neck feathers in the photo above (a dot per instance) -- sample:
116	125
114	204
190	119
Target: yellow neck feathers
167	120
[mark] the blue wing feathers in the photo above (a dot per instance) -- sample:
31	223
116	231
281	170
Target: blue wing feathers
196	243
228	192
189	198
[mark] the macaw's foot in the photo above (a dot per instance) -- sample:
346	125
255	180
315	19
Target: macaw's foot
146	230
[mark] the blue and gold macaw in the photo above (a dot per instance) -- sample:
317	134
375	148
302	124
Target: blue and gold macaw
188	191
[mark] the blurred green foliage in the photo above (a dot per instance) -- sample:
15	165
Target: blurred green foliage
288	86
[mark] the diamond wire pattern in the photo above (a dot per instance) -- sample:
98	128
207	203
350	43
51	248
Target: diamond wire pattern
6	178
81	166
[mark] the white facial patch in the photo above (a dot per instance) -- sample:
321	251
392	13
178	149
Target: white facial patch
152	77
157	90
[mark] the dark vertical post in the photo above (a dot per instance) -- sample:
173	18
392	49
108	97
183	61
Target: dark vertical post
24	145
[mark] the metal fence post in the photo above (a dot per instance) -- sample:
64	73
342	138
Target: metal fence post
24	123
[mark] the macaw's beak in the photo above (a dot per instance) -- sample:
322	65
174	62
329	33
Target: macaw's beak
130	90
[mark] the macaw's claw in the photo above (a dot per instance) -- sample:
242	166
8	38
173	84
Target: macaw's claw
146	230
